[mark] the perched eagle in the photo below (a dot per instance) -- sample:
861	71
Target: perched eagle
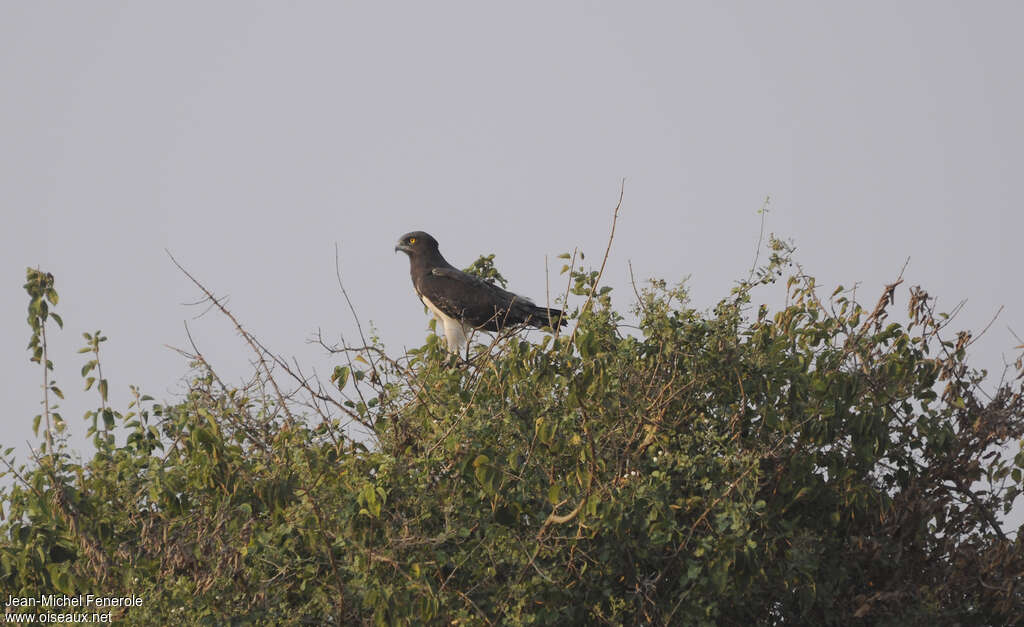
462	301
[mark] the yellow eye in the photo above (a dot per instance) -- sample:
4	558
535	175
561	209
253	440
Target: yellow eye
412	240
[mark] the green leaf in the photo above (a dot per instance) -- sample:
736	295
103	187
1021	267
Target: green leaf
340	376
485	475
544	430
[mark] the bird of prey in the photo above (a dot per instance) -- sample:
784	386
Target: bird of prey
462	301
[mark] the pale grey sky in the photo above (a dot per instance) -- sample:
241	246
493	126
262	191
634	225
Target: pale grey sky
249	137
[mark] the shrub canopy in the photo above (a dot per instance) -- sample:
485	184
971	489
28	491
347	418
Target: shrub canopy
814	465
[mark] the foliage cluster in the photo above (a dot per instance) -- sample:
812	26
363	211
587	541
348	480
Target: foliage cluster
816	465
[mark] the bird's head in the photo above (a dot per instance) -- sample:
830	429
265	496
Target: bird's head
416	242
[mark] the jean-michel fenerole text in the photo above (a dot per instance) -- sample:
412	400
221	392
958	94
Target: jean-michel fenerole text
80	600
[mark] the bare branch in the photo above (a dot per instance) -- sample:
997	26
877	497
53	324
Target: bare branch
245	335
604	261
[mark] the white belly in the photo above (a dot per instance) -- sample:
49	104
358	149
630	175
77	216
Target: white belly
454	331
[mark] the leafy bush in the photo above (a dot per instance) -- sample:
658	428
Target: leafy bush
818	465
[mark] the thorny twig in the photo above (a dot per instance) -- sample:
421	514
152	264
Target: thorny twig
245	335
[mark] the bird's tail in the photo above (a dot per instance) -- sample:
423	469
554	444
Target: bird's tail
545	317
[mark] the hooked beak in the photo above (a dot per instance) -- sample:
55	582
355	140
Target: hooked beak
402	247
